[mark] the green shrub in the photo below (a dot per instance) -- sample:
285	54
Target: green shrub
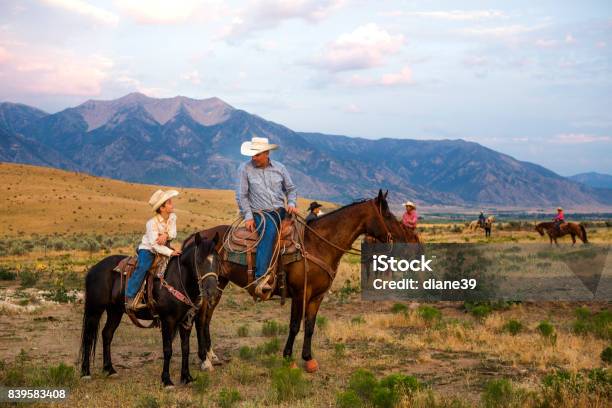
383	397
481	311
513	327
339	350
385	393
60	294
399	308
348	399
17	249
272	328
148	401
606	355
61	375
201	383
243	331
429	313
599	324
546	329
271	347
28	278
322	322
402	384
358	320
228	397
6	274
501	393
363	382
563	387
289	384
246	353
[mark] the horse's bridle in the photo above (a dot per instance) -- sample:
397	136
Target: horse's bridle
382	220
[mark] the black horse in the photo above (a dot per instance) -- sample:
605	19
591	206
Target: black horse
190	273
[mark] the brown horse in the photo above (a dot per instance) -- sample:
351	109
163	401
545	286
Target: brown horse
572	228
328	238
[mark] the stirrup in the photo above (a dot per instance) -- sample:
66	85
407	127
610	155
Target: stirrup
265	284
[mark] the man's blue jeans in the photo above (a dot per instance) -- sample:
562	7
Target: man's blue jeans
145	259
268	239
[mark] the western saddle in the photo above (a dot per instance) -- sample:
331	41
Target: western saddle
241	248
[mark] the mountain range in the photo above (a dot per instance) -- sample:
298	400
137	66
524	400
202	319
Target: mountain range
592	179
196	143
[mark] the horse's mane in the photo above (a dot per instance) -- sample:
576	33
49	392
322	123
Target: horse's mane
358	201
183	246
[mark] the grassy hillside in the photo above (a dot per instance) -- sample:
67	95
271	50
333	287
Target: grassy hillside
44	200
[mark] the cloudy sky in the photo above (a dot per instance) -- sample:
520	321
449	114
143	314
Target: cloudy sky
530	79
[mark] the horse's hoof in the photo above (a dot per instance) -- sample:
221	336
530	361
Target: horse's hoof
169	387
311	366
293	365
213	358
206	365
86	377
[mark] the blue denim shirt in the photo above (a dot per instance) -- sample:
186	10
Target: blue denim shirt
264	188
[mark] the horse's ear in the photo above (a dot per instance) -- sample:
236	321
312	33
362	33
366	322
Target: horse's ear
380	195
197	239
216	238
386	194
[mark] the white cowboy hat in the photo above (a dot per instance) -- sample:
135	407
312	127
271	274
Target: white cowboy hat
256	145
409	204
160	197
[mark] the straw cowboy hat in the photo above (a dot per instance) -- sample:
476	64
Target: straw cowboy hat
160	197
559	209
256	145
409	204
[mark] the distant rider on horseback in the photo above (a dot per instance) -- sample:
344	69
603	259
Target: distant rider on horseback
559	219
410	217
482	219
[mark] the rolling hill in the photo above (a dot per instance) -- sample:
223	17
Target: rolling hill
44	200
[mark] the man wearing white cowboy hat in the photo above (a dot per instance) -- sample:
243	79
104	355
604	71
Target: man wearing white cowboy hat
161	229
410	217
265	194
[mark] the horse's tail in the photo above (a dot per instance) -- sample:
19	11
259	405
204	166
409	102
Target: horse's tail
584	234
89	335
97	293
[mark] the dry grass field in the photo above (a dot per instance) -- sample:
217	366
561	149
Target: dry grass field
56	224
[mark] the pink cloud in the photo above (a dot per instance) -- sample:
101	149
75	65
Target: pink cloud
578	138
37	70
86	10
4	55
401	78
266	14
170	12
365	47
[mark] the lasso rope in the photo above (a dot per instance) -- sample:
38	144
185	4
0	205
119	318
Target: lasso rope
237	223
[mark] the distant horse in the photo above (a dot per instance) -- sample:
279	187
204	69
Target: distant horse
572	228
326	239
488	224
188	273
